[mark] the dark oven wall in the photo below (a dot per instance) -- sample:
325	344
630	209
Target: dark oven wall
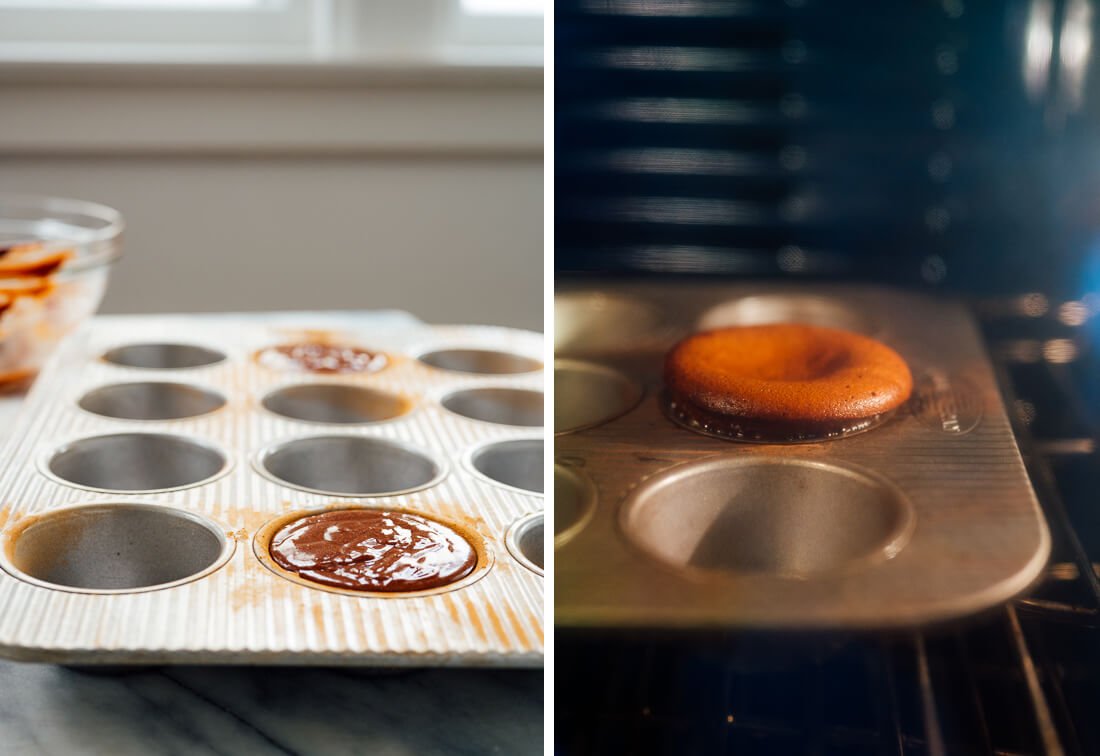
947	144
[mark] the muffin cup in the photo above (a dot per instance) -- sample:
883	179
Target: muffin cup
587	395
480	361
574	503
261	547
790	517
525	542
813	309
356	466
136	463
502	406
114	548
151	400
336	404
592	322
516	464
163	356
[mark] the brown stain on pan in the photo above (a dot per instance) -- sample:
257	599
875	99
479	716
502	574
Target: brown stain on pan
320	335
65	538
257	585
517	626
498	626
452	608
475	621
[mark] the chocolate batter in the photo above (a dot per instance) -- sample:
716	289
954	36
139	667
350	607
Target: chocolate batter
319	357
373	550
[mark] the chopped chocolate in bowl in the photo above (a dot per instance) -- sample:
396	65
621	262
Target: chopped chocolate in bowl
31	259
321	357
373	550
55	256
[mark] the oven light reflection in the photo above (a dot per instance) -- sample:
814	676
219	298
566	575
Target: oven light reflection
680	160
1074	49
681	110
1038	46
1059	351
679	59
1073	314
1022	351
667	8
1034	305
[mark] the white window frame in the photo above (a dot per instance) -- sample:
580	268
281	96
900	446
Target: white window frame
317	30
270	23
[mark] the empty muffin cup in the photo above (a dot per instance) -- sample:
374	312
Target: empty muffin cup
480	361
517	463
350	466
587	395
574	502
505	406
586	322
151	400
163	356
764	309
790	517
335	403
147	462
525	542
115	548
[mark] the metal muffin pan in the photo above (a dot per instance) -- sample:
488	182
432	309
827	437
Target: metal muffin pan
927	518
140	479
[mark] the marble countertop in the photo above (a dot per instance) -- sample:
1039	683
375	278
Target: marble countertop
192	711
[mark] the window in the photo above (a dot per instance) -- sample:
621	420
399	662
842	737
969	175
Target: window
515	22
266	29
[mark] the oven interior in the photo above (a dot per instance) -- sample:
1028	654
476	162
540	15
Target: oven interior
946	146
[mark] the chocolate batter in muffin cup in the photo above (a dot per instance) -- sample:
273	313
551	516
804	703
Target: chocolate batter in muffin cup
363	551
323	358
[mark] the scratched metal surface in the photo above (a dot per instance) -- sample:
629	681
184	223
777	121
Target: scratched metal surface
243	612
977	536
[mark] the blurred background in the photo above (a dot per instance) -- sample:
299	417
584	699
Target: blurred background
288	154
946	144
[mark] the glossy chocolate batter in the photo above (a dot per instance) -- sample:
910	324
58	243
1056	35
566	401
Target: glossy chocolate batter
319	357
373	550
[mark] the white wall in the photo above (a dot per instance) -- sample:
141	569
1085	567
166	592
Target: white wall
450	240
402	198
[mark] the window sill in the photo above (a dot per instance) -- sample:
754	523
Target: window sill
268	65
272	103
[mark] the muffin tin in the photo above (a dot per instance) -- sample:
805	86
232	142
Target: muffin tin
155	458
925	518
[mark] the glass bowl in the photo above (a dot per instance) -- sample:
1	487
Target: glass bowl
55	255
